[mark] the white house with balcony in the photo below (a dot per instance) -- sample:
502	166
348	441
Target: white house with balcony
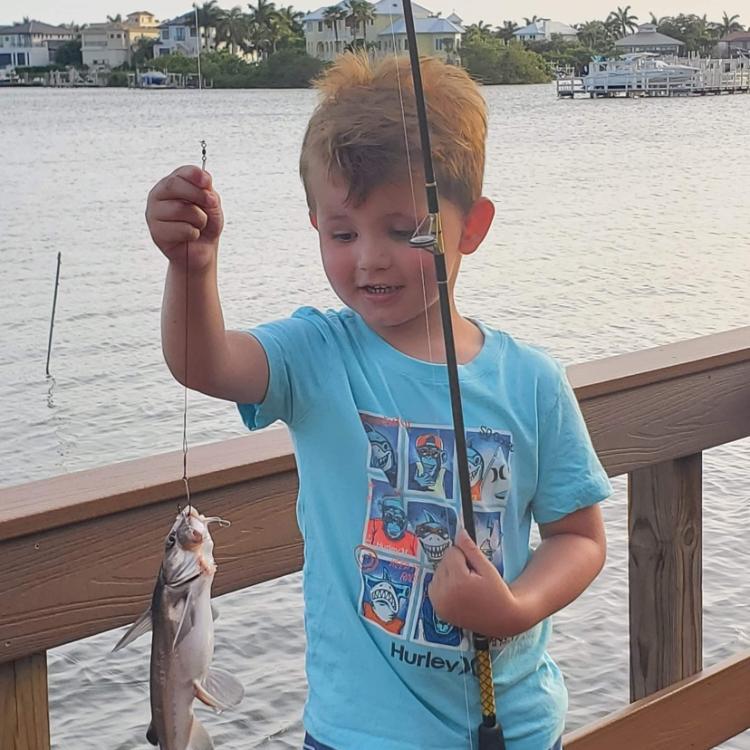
179	36
31	44
325	39
544	29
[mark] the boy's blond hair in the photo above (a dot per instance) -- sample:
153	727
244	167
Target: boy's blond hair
358	132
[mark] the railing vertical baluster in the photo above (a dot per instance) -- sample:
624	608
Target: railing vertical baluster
24	707
666	619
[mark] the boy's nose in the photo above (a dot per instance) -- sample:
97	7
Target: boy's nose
372	254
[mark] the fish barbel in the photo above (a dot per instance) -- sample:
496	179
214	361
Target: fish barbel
182	645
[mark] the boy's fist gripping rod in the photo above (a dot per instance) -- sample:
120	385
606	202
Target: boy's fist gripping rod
490	732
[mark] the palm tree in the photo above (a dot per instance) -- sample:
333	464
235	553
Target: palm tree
332	15
623	21
361	12
507	31
728	24
209	17
291	20
265	25
533	19
595	35
233	29
115	19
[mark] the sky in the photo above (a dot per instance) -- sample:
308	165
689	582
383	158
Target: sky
489	11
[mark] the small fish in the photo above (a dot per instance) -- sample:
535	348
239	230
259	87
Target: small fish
182	620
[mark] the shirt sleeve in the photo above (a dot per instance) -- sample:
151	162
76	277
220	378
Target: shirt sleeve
293	347
570	475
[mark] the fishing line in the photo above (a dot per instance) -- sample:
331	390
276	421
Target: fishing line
185	370
185	481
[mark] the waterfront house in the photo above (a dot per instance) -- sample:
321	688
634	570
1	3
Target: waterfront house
734	44
439	37
31	43
179	35
111	44
544	29
648	39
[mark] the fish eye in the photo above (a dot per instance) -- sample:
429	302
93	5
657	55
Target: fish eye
171	539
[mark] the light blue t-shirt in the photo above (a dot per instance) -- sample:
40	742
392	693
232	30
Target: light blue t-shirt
379	505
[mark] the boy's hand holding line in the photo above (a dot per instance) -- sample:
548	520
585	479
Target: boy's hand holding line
183	207
184	211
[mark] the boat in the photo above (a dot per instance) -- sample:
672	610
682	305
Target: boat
638	71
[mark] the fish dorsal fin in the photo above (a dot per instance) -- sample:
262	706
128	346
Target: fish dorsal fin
151	735
186	620
220	690
142	625
199	738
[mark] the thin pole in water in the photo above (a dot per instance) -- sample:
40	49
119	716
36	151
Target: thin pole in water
198	39
54	307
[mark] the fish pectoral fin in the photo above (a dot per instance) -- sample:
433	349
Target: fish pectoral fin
151	735
224	687
186	621
142	625
205	697
199	738
214	612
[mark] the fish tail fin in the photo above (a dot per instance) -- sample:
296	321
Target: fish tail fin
199	738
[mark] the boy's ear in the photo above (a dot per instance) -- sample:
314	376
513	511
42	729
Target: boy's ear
313	220
476	225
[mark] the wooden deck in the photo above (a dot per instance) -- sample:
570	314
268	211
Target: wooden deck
78	552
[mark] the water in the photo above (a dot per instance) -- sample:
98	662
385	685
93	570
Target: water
621	225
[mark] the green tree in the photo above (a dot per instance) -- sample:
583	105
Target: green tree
115	19
233	30
596	35
143	50
507	31
729	24
264	25
69	53
361	12
491	61
623	20
332	15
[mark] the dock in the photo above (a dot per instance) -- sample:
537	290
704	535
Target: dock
642	75
78	550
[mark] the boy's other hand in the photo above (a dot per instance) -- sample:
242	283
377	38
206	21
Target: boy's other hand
469	592
184	208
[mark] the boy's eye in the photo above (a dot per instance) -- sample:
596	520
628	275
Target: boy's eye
343	236
402	234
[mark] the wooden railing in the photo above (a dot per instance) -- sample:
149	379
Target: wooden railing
78	552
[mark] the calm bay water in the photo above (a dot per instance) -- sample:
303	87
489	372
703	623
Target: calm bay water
621	225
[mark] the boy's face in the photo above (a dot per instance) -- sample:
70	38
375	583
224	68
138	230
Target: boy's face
367	256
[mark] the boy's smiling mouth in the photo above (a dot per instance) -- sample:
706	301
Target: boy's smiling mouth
380	289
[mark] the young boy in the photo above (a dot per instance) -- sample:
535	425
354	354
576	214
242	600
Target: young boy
392	584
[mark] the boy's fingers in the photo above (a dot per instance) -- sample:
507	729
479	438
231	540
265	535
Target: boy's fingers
474	556
177	211
176	187
193	174
172	232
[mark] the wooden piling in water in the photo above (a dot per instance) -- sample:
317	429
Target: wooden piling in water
24	706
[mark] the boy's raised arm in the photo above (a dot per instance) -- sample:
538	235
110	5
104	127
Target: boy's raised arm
184	211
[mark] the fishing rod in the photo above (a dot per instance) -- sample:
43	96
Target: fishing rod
489	732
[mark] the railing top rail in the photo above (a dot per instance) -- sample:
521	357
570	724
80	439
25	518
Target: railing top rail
49	503
79	496
659	364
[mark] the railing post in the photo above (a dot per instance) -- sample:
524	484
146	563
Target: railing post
665	574
24	709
